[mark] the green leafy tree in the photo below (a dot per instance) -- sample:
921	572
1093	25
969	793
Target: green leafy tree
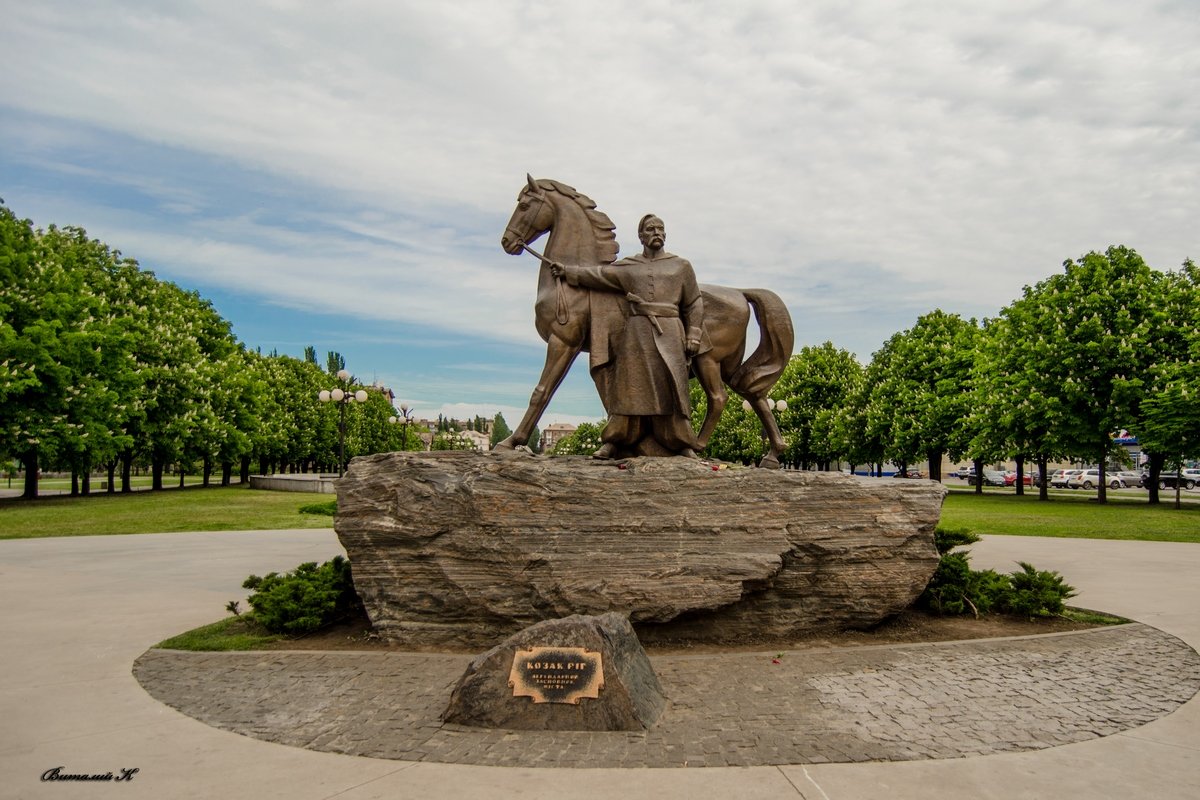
500	429
583	441
1096	329
1168	426
918	389
817	385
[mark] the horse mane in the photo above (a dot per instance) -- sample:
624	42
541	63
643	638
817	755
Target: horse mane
602	227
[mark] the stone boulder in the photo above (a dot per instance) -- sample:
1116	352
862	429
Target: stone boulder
465	548
627	698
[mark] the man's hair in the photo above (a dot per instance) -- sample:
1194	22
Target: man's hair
642	222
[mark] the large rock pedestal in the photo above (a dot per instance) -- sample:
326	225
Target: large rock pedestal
465	548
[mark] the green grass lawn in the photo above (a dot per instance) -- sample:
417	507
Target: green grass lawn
1071	515
195	509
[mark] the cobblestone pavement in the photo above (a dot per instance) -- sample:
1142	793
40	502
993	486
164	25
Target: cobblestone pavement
882	703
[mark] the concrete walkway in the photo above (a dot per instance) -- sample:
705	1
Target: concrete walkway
78	611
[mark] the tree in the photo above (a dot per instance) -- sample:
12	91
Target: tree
918	387
1169	420
817	385
583	441
1097	330
500	430
334	362
1013	412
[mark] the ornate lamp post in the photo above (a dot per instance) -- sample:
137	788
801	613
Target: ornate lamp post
406	416
343	397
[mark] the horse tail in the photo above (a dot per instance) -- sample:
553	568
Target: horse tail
762	369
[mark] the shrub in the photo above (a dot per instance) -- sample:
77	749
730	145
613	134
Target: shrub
1036	593
955	588
946	539
303	600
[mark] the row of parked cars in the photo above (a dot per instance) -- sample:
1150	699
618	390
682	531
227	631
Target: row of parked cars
1085	478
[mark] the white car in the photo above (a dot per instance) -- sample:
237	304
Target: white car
1090	479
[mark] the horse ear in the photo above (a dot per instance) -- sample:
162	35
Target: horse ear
533	187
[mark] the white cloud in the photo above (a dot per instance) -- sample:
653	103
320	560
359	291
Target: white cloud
944	155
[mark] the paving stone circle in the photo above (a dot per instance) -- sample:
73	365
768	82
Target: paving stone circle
809	706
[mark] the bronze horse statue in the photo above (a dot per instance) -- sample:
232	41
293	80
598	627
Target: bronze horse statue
572	319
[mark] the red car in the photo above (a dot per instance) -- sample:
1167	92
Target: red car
1010	479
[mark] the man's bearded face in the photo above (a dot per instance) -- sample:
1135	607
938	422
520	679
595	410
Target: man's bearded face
653	233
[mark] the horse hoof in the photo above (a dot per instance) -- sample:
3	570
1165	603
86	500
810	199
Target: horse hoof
507	444
769	462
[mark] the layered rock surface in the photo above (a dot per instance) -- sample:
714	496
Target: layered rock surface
466	548
631	698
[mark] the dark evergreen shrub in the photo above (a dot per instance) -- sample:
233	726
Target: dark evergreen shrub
1036	593
305	599
955	588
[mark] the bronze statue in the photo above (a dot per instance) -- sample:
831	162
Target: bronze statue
571	318
650	408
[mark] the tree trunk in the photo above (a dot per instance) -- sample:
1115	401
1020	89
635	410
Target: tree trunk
978	475
181	474
226	473
30	461
1157	461
1020	481
156	472
85	482
208	468
1102	489
74	481
126	469
935	465
244	472
112	476
1043	488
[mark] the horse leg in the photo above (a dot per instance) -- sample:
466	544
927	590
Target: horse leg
559	357
708	372
770	459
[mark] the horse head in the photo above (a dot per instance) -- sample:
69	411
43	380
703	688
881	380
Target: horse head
533	216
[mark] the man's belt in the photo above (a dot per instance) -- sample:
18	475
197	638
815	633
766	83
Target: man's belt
642	308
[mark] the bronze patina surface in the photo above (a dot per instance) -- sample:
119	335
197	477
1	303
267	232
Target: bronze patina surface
556	674
640	316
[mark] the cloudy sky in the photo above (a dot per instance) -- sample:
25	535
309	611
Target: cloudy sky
339	174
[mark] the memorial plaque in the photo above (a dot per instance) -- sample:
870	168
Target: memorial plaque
556	674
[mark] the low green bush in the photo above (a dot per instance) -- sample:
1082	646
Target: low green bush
955	588
323	509
305	599
1036	593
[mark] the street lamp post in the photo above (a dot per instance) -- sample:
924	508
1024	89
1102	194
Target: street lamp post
343	397
406	416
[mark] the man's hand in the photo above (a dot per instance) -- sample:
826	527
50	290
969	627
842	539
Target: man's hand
692	346
556	269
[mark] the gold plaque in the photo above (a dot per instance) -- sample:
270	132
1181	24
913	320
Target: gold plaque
556	674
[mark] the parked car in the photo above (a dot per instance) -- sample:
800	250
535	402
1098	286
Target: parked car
909	473
991	477
1010	479
1131	478
1188	479
963	470
1060	477
1090	479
